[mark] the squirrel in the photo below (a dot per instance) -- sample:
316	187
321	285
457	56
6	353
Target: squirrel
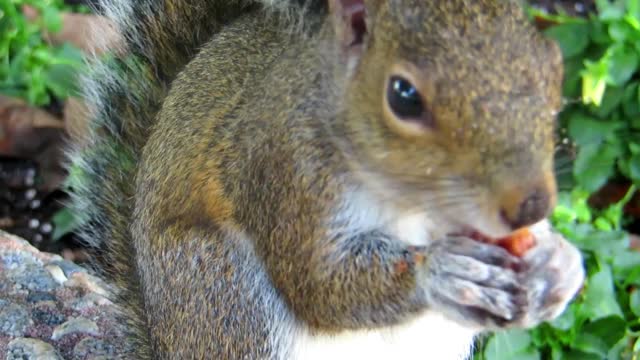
282	179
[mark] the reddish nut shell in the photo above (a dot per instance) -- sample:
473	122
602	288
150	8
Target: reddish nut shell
518	242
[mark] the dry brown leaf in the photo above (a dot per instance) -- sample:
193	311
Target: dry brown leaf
92	34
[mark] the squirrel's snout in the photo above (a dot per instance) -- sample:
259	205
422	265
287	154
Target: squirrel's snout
521	206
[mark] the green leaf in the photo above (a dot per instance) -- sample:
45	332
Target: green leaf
609	11
623	63
626	265
51	18
599	33
510	345
634	167
599	297
579	355
634	302
571	88
611	99
594	81
565	321
587	130
621	31
573	38
631	100
590	344
594	165
64	222
609	330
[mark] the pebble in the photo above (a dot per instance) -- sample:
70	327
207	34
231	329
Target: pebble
31	349
69	268
39	296
14	320
56	273
32	278
89	301
12	260
91	347
74	326
48	317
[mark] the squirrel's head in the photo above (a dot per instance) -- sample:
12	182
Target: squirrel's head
452	105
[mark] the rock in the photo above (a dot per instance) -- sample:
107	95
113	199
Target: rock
47	317
89	301
56	273
31	349
74	326
33	278
51	308
69	268
39	296
91	348
14	320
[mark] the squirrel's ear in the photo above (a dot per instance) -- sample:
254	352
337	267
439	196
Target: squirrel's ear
349	19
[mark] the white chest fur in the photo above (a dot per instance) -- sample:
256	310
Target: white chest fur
429	337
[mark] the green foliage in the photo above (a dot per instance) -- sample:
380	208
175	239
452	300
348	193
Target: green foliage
602	70
29	67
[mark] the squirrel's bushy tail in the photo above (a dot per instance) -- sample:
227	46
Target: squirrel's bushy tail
124	93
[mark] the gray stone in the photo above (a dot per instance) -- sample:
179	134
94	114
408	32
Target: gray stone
75	326
89	301
12	260
33	278
56	273
69	268
49	317
31	349
40	296
92	348
14	320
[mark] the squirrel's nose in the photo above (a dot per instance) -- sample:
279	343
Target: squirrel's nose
526	205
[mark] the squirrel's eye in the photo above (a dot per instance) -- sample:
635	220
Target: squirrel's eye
404	99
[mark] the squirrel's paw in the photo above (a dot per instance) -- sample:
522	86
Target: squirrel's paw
554	275
475	283
484	286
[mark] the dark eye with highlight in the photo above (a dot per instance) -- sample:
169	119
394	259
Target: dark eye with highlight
404	99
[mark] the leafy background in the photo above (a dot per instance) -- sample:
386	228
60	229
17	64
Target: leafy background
598	164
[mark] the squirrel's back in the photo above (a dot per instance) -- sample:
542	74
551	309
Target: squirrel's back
124	92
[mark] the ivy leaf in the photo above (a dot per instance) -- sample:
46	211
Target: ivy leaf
510	345
609	330
613	96
572	38
634	302
609	11
634	167
565	321
600	298
594	81
626	265
630	100
64	222
590	344
594	165
623	62
51	18
587	130
621	31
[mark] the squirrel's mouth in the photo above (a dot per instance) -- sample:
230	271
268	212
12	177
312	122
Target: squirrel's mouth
475	235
